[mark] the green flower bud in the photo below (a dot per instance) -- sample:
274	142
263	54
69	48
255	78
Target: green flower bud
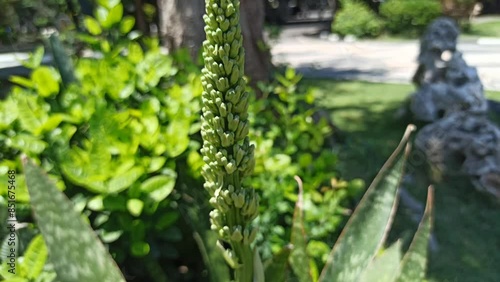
237	236
226	150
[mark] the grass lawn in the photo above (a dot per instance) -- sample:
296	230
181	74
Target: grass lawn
489	29
467	223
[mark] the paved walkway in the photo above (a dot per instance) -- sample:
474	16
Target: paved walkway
376	61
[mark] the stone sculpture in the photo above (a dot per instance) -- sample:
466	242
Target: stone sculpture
460	138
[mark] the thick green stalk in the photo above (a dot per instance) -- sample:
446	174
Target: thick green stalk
226	150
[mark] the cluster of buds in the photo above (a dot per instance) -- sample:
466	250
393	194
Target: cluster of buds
227	152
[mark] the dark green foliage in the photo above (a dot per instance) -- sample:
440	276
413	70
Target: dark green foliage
355	18
24	19
409	17
294	137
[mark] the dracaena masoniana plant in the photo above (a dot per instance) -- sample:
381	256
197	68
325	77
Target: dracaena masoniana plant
226	150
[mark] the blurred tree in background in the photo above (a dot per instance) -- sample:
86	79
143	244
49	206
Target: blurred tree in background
181	26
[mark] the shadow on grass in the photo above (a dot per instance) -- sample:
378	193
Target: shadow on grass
467	223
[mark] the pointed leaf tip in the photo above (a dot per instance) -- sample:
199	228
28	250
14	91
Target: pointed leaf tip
366	230
414	264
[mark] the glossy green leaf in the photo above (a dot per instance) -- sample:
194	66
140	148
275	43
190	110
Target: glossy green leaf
135	53
299	259
8	113
127	24
139	249
50	124
22	81
34	258
108	3
177	137
385	267
156	164
31	113
92	25
74	250
158	187
96	203
110	236
115	16
27	143
101	14
368	226
414	264
46	80
35	58
124	181
134	206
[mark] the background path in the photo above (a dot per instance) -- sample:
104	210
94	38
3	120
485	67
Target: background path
374	60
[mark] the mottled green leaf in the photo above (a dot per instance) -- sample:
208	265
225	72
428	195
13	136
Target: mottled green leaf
414	264
385	267
34	258
299	259
74	250
158	187
367	228
92	25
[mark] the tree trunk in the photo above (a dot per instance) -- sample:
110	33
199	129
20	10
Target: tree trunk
181	26
257	54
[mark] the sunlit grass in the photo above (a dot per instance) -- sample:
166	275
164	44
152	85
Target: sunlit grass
466	221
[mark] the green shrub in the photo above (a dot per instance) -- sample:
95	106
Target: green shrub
409	17
357	19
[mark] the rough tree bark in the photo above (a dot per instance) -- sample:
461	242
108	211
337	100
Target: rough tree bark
181	26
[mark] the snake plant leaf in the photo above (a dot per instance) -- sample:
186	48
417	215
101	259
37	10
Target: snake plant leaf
74	249
368	226
276	269
34	258
414	264
258	268
385	267
299	259
62	60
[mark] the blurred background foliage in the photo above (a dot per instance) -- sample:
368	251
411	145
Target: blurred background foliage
22	21
116	126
